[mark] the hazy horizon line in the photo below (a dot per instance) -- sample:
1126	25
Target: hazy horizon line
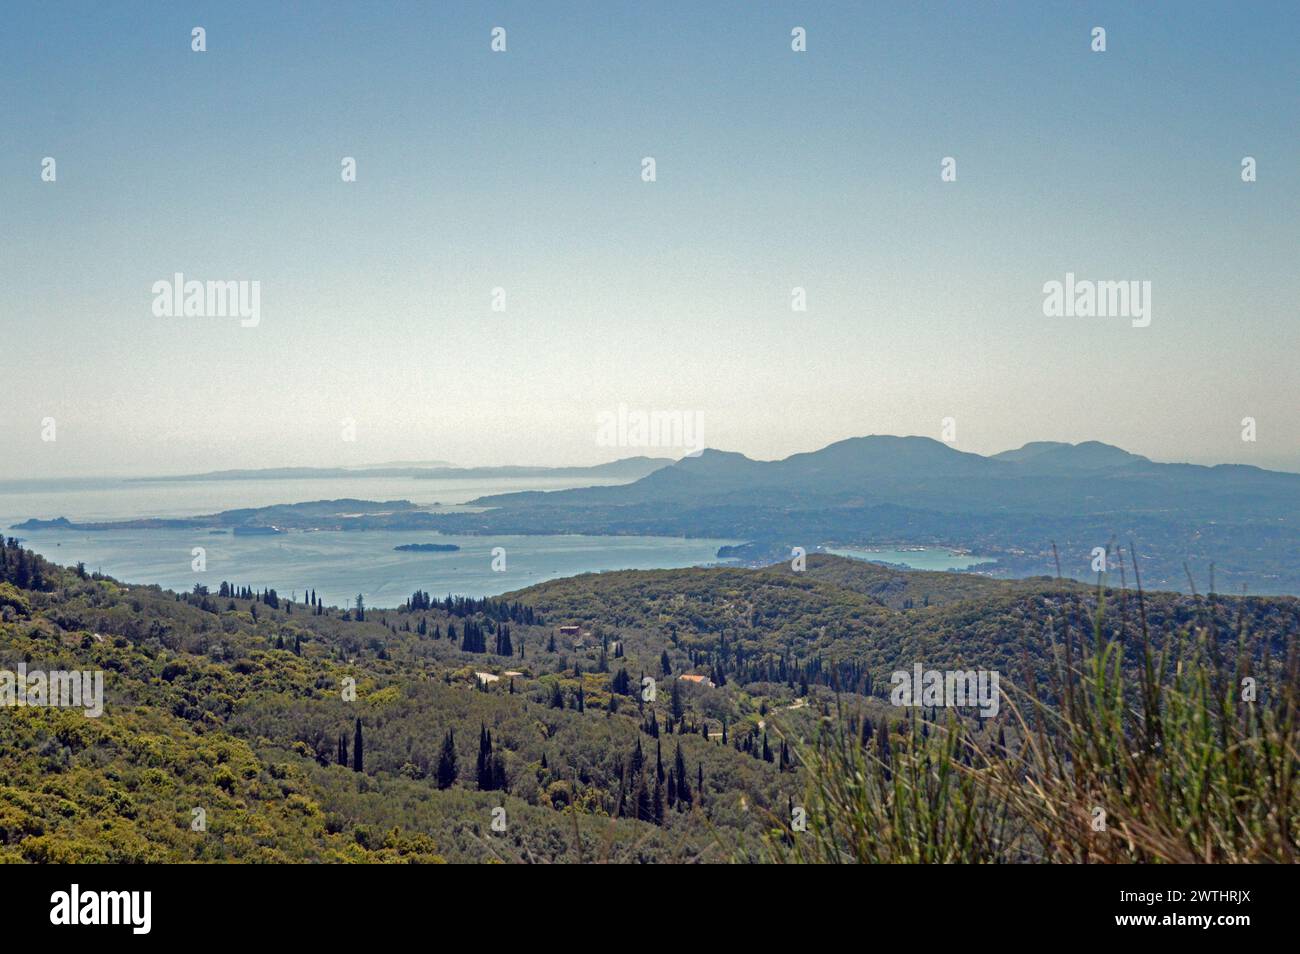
675	455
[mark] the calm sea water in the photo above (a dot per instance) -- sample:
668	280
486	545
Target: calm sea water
89	500
337	565
928	558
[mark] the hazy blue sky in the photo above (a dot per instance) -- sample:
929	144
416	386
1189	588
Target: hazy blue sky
522	170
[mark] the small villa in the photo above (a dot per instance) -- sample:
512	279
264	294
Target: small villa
697	680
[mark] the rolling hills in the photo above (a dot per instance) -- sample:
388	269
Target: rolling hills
1012	507
250	707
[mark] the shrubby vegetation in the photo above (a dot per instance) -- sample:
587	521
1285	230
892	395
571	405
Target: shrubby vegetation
1191	756
313	733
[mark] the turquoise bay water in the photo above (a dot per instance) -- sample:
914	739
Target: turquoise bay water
338	565
928	558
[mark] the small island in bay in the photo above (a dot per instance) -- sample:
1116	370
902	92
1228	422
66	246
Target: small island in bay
427	547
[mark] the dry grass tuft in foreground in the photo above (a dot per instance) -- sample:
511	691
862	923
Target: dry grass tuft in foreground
1176	750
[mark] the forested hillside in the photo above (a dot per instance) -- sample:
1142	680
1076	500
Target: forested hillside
298	732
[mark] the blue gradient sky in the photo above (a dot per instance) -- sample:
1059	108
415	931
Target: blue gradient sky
522	170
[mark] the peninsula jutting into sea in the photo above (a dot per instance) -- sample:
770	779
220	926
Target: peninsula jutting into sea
534	433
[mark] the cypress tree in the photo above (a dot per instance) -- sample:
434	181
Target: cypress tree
683	786
447	762
638	759
644	805
483	769
357	752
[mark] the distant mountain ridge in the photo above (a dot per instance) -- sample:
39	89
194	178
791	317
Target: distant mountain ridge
1022	511
629	468
919	471
297	473
1024	508
1089	455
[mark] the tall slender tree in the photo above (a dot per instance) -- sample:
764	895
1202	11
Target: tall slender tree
447	770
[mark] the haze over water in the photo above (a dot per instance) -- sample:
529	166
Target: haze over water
113	499
336	564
